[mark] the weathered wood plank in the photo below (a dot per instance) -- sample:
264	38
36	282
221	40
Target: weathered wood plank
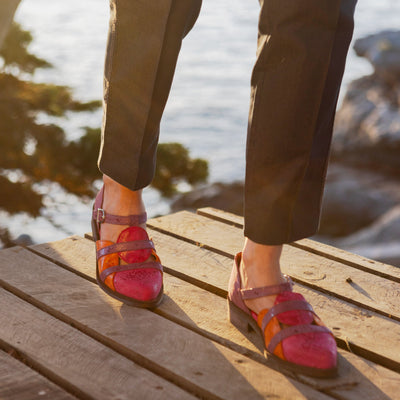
74	360
358	287
19	382
375	267
179	354
186	305
183	302
345	318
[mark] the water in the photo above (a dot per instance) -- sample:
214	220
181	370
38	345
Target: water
208	105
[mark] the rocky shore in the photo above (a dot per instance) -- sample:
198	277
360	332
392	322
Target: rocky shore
361	207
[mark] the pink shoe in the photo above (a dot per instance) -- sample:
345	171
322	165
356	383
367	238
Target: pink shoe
291	331
139	282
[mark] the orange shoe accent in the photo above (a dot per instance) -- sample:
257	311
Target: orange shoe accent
107	261
270	331
156	258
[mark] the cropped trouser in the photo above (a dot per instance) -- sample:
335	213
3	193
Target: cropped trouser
302	47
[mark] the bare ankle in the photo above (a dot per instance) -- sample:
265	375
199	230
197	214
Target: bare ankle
118	196
114	186
255	254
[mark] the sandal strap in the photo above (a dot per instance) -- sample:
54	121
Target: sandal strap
294	330
290	305
254	293
125	246
101	217
128	267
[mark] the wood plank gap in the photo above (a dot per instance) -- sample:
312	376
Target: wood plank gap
20	382
196	282
297	280
187	240
45	372
342	343
329	391
181	256
220	218
137	358
202	332
308	245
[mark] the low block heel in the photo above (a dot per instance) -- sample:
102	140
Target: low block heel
235	316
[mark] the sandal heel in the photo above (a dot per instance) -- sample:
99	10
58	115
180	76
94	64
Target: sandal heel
238	319
95	231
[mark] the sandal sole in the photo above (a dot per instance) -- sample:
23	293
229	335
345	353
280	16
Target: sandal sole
246	324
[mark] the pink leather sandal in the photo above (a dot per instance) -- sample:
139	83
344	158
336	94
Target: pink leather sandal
138	281
291	331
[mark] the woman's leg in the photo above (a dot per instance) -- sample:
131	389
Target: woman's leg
142	51
143	46
302	50
302	47
144	42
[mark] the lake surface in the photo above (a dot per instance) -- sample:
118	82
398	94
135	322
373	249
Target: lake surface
208	105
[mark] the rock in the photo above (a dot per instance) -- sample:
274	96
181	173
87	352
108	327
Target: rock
23	240
224	196
379	241
354	198
367	127
383	51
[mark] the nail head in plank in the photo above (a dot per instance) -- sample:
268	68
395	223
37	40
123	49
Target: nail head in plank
19	382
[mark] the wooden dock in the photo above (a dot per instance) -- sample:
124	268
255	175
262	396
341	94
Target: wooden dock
61	337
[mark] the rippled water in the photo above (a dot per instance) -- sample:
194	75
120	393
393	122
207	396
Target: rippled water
208	106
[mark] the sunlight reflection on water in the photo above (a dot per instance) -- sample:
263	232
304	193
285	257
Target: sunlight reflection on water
208	106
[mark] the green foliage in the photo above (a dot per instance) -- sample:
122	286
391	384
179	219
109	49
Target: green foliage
40	152
5	237
14	51
174	165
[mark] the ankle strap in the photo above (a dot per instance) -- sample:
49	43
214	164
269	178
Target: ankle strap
101	217
248	294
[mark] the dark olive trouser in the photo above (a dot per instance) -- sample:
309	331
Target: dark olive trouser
302	47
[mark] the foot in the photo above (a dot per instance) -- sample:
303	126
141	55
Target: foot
260	266
138	285
119	200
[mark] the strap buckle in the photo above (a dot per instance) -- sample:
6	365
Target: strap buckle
101	216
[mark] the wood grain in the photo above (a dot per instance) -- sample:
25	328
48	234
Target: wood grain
73	359
178	354
190	306
358	287
186	304
333	253
19	382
